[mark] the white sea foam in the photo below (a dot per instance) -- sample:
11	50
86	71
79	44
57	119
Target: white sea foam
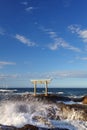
72	102
60	93
78	97
20	113
6	90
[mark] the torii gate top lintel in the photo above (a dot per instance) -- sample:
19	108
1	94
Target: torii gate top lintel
41	81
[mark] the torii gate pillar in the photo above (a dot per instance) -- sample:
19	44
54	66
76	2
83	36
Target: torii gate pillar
46	89
35	85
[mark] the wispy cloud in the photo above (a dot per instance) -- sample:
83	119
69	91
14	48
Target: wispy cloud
58	42
49	75
2	31
29	9
19	37
5	63
82	58
78	58
7	76
81	33
24	3
24	40
57	75
66	74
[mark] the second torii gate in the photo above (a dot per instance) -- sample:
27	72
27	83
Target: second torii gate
43	81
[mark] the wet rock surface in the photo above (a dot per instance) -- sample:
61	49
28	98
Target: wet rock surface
43	120
40	97
54	110
62	111
85	100
51	98
28	127
75	112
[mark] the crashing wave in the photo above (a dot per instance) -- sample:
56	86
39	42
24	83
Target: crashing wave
42	112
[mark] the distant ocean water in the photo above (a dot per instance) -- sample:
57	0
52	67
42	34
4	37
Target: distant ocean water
20	112
64	91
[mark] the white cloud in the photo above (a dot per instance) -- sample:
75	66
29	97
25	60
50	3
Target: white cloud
59	42
53	46
29	9
84	58
24	40
24	3
74	28
81	33
4	63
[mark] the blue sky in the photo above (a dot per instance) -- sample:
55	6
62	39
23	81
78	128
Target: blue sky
43	39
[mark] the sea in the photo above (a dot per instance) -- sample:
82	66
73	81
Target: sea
20	112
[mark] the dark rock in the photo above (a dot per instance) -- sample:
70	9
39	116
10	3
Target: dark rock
51	98
74	111
80	99
53	129
85	100
5	127
28	127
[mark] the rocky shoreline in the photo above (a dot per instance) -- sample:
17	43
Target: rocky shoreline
55	110
51	98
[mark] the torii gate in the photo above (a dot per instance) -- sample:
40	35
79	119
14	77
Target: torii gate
41	81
